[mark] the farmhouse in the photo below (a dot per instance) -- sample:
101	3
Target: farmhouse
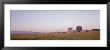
69	29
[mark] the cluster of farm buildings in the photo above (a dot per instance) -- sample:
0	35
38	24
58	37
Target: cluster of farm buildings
70	30
78	29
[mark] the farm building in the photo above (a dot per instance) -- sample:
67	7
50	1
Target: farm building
70	29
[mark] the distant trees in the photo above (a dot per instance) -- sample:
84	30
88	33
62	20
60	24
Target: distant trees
95	29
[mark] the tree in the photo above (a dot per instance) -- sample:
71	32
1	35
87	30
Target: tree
79	28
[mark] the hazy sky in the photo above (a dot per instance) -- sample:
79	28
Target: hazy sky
49	21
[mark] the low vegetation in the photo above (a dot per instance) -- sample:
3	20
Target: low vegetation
58	36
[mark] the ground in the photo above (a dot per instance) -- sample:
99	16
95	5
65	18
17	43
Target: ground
58	36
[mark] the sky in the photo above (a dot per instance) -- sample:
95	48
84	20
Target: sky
53	20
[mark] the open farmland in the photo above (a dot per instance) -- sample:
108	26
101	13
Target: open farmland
58	36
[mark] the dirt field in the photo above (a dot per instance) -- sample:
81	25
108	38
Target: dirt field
58	36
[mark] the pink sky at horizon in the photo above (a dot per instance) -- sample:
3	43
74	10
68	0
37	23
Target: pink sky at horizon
54	21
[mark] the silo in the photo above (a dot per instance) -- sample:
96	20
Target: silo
79	28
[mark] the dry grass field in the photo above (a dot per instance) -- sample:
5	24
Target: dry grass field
58	36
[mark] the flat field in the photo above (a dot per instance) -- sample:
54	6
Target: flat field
58	36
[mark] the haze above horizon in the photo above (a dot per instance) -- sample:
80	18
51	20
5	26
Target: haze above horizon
53	20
